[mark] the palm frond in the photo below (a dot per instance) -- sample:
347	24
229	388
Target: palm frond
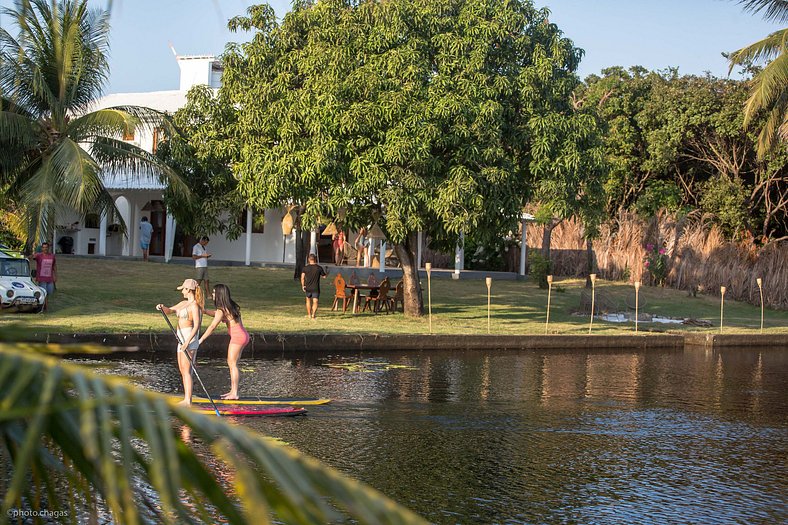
112	442
768	87
117	156
765	49
772	10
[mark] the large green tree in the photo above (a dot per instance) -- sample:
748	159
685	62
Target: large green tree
199	153
55	151
445	116
769	92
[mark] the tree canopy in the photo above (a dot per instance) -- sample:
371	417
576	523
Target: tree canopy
446	116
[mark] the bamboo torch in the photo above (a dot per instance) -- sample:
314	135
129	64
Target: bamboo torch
549	291
722	305
428	267
760	290
488	280
637	303
593	294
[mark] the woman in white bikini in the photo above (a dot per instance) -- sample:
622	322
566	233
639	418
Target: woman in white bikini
189	316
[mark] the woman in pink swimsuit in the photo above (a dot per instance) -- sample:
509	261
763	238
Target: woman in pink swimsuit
229	312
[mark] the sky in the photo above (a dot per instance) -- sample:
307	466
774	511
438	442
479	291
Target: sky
688	34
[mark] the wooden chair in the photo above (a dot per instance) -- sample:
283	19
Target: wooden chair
399	297
341	294
381	300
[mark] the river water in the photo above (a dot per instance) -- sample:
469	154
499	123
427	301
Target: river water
624	437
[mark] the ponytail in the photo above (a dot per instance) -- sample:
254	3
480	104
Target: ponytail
199	298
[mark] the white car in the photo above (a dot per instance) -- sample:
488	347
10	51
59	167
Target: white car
18	292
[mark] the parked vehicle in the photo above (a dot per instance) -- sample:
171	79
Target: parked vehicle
18	292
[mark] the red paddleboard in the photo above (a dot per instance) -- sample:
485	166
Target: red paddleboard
254	411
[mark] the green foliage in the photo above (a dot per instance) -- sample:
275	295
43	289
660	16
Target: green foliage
538	268
659	194
76	442
666	135
656	264
445	116
726	199
770	83
200	153
53	153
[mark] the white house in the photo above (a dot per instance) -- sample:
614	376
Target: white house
136	198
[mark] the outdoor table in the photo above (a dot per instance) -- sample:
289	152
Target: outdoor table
356	288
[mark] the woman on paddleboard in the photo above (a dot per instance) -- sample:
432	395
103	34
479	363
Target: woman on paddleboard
189	317
229	312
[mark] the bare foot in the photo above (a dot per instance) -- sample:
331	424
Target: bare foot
230	395
185	403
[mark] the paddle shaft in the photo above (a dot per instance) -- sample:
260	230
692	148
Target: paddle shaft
194	368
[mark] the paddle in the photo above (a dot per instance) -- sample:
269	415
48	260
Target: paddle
194	368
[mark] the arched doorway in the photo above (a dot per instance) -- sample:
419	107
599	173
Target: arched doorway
158	219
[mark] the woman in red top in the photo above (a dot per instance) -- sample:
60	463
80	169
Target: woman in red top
339	247
229	312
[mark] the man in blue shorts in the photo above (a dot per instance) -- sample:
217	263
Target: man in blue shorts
146	232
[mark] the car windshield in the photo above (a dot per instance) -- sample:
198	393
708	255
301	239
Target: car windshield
14	268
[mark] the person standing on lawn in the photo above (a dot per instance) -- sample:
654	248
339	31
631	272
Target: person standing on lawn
310	284
200	256
46	272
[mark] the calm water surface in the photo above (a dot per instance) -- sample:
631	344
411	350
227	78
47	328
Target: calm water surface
540	437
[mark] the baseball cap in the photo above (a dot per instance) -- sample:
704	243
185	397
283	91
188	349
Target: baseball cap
189	284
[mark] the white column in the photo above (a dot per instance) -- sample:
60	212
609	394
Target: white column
102	236
313	243
370	253
419	242
169	237
248	260
293	242
382	268
523	250
459	255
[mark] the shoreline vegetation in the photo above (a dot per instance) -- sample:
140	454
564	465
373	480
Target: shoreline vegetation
119	296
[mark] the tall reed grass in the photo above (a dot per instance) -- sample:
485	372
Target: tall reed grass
699	256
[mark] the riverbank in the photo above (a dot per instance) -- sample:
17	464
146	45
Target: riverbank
262	344
118	296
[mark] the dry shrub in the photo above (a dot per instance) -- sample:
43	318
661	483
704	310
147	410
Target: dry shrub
699	256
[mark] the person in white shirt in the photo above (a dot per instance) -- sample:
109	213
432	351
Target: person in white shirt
200	256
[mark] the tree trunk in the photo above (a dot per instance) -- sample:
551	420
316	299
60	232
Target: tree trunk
546	238
590	261
406	253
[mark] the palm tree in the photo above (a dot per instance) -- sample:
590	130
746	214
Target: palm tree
84	447
769	85
53	149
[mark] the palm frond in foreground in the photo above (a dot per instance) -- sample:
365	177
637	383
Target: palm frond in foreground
84	444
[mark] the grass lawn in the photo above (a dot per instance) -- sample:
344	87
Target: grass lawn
110	296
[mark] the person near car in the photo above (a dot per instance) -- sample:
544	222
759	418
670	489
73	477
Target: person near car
46	271
310	284
200	256
146	232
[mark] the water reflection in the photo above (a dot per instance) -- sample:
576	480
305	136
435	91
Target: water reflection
539	437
